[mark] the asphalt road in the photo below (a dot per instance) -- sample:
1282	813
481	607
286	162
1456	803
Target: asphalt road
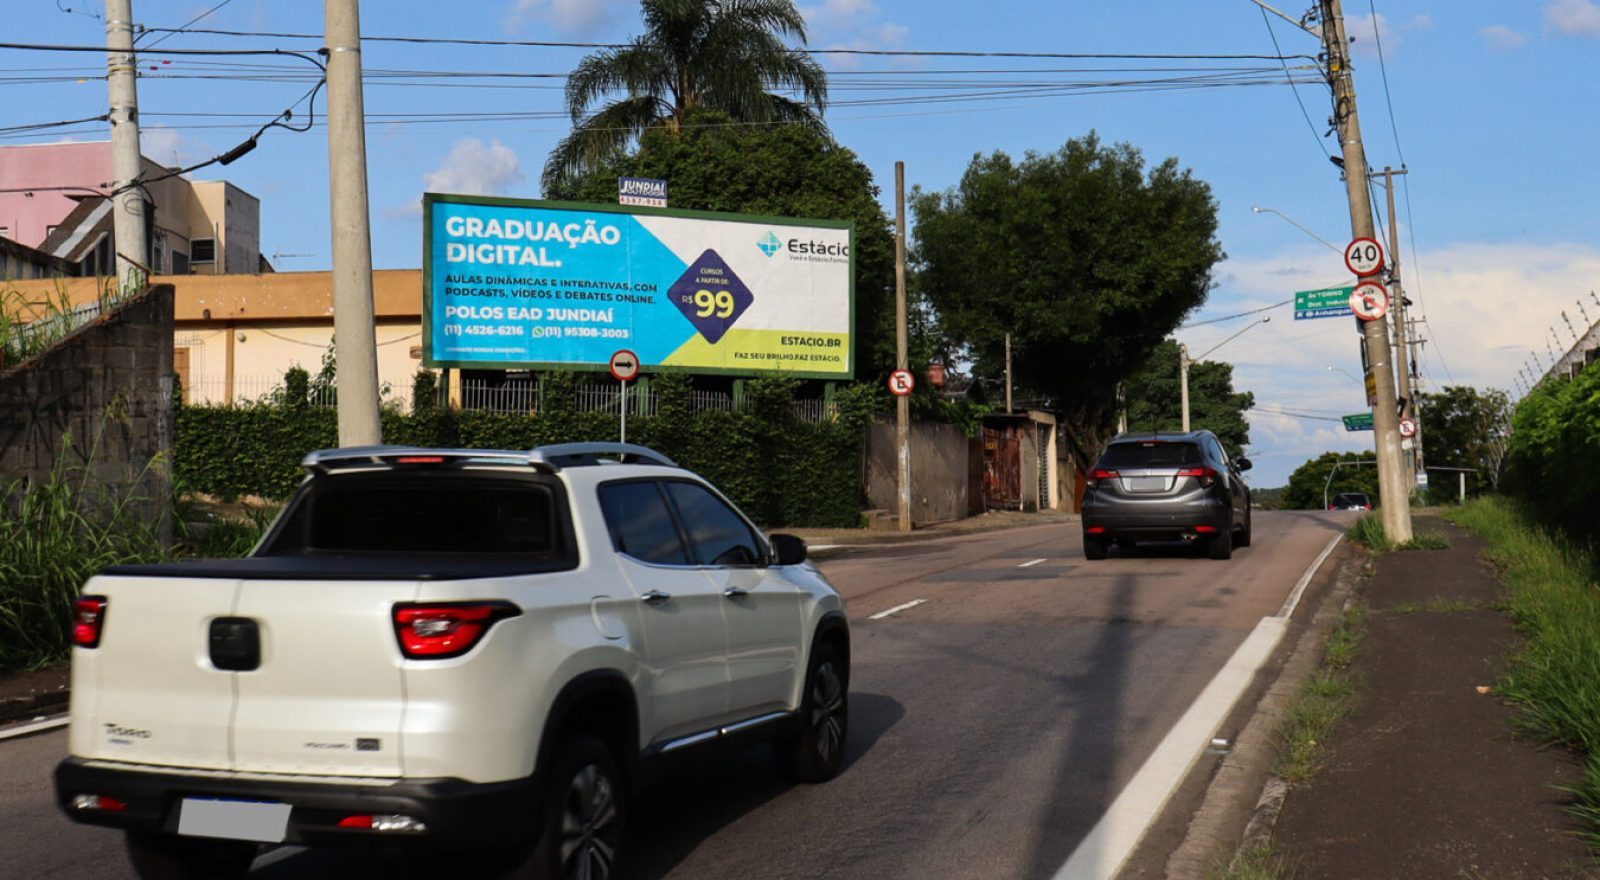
992	722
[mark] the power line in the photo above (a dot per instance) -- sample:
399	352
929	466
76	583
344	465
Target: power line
169	33
1277	305
1383	68
1303	112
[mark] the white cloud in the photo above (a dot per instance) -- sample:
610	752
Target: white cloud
1488	308
1421	22
1501	38
851	24
477	170
171	148
1574	17
1368	31
837	13
572	17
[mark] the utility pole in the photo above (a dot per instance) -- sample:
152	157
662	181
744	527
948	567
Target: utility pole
1392	482
127	200
355	340
902	403
1008	374
1413	457
1183	383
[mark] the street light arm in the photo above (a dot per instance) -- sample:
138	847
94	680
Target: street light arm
1330	245
1248	327
1297	23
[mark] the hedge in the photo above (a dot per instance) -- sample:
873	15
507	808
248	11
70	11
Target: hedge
1553	459
780	470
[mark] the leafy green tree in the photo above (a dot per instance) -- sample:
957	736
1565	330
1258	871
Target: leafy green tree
1308	485
1155	400
1083	255
694	54
1463	427
1554	458
785	171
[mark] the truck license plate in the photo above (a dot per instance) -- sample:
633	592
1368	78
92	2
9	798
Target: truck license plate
262	821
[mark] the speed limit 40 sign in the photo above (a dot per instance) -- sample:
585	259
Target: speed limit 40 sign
1364	257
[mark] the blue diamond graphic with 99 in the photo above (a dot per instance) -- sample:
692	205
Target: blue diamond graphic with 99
769	244
710	296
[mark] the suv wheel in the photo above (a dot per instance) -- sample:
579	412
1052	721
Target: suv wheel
584	809
1244	534
1221	545
170	857
817	753
1094	548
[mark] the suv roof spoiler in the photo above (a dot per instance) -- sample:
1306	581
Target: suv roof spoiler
550	458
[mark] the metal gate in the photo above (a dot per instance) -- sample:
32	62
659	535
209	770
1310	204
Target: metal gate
1002	469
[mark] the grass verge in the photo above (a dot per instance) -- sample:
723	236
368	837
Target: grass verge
1368	531
1555	602
1327	698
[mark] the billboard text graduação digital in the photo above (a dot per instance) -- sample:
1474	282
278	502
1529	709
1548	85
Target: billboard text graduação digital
516	284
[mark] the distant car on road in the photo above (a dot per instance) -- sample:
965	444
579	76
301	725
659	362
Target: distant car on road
1351	501
1166	487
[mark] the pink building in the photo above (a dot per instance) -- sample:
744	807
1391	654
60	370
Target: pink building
50	200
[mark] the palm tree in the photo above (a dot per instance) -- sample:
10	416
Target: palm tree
711	54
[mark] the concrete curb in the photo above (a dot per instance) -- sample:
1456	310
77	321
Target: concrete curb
1245	772
13	708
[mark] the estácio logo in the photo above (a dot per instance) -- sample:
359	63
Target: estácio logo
769	244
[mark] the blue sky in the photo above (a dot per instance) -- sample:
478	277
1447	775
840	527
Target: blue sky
1495	105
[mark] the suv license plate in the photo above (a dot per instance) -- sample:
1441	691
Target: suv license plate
262	821
1148	484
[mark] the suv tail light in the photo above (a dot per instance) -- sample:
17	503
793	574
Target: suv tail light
439	630
1206	475
1098	475
88	619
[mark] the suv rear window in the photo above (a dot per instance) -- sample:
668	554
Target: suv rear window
425	513
1150	453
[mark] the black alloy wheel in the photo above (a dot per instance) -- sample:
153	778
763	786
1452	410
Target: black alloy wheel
816	754
585	809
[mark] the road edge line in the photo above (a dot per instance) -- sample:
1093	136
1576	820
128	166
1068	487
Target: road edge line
1102	853
1290	604
33	727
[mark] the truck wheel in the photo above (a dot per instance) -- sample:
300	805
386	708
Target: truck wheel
584	811
816	753
170	857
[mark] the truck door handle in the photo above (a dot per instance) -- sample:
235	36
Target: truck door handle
735	593
656	597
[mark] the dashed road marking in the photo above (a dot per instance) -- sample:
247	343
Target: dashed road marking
888	611
1030	563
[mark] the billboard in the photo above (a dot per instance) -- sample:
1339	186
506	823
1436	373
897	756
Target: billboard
518	284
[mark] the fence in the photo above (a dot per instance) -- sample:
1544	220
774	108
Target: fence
523	397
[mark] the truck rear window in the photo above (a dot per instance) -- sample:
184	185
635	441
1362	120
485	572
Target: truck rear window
423	513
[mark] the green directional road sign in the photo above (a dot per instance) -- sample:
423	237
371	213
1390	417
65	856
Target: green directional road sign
1358	422
1329	302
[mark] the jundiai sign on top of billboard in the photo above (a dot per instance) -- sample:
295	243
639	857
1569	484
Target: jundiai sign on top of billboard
519	284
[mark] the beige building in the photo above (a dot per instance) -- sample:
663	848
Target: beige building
236	335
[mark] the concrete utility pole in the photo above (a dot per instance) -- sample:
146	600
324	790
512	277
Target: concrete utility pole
1008	374
1392	483
1408	407
127	201
902	404
1183	383
355	339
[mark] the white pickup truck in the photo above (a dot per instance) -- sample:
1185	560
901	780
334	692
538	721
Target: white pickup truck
455	650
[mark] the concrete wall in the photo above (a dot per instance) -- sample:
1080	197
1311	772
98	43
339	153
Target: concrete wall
938	471
107	386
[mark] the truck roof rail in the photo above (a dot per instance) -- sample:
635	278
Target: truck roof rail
547	458
559	455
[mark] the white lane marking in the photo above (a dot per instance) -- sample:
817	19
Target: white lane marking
888	611
1030	564
35	727
830	546
1289	604
1113	838
277	855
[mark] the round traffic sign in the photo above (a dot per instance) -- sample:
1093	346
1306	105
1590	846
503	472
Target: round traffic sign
1408	428
1364	257
624	365
1370	301
901	382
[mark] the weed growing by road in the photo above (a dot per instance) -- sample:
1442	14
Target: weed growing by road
1555	602
1327	698
1264	862
1368	531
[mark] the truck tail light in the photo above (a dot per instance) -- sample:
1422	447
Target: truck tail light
438	630
88	619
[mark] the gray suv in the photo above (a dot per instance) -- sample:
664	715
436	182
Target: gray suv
1166	487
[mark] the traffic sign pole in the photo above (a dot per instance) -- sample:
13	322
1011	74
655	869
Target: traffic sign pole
624	366
902	407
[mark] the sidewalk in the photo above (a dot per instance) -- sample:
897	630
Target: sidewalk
1427	779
